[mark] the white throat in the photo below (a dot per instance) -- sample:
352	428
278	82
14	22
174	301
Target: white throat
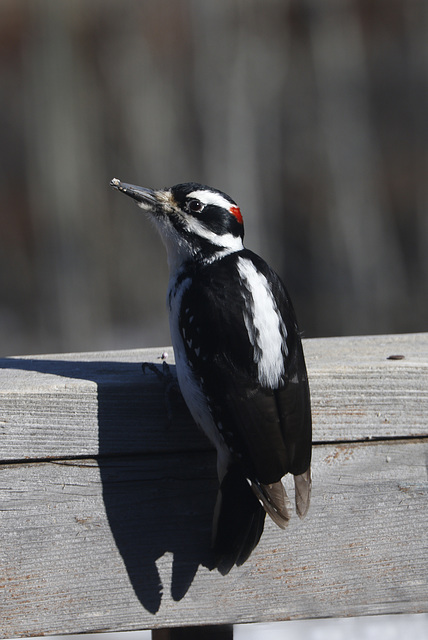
180	251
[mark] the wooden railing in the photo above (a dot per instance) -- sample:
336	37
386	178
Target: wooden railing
106	503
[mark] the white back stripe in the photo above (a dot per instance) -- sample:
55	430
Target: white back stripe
264	324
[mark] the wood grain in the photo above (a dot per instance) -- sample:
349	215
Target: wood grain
105	507
124	544
103	403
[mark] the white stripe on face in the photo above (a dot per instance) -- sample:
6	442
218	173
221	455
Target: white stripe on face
227	240
265	326
209	197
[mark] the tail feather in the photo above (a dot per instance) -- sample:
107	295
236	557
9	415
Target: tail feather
275	501
240	512
238	521
302	485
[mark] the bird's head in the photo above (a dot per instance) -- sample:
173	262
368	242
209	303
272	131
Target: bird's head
195	222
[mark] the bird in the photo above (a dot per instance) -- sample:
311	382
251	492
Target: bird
239	362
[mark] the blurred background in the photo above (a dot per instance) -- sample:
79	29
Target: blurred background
312	115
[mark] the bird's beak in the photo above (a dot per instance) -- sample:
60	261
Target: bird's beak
140	194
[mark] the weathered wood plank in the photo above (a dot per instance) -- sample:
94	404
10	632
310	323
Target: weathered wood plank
122	543
102	403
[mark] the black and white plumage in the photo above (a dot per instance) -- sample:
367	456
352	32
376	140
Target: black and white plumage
239	358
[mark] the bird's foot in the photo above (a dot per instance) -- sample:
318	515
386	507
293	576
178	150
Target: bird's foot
168	380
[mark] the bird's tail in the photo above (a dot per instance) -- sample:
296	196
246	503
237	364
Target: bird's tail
275	501
240	512
302	487
238	521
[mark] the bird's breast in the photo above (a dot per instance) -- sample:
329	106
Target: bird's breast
191	386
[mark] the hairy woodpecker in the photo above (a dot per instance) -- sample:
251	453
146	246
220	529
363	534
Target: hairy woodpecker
239	359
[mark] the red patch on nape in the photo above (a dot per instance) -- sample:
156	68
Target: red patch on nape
236	211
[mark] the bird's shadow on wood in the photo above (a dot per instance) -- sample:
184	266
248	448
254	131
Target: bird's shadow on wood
156	499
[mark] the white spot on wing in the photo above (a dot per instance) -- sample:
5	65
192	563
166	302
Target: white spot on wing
265	326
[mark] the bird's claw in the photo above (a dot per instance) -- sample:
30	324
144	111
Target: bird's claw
168	380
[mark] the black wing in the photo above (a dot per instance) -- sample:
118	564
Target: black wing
267	430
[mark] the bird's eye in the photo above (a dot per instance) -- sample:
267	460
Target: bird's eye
195	206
